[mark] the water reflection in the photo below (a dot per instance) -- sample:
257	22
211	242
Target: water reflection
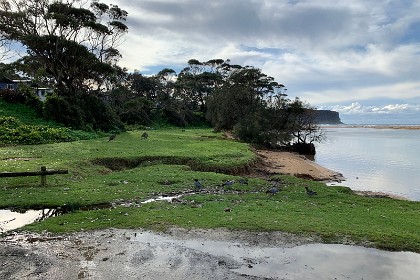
162	198
382	160
10	220
326	261
314	261
17	218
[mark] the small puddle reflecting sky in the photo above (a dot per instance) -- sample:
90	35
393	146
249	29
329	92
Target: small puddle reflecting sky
313	261
10	220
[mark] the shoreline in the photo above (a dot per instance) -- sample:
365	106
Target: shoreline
299	166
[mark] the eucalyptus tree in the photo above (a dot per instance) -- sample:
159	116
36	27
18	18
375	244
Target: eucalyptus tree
196	82
256	108
75	44
244	92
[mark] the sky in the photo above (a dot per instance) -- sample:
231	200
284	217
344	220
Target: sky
358	57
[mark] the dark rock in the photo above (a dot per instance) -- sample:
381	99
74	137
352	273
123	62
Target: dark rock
304	148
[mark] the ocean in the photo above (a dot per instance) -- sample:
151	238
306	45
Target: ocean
373	159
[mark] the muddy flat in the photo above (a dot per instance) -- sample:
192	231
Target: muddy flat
195	254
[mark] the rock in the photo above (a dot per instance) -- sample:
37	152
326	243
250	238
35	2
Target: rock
304	148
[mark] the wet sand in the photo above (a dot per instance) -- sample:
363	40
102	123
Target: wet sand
135	254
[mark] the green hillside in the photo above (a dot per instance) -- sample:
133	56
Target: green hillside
20	124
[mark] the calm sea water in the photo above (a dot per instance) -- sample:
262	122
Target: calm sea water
386	160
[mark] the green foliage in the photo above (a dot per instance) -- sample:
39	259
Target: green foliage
136	111
97	114
63	38
19	124
60	110
12	96
23	95
249	128
22	112
12	131
85	112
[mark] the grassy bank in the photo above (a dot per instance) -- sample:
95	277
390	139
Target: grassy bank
20	124
113	178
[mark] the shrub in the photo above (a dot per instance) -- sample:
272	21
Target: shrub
23	95
86	112
136	111
9	122
12	96
60	110
13	131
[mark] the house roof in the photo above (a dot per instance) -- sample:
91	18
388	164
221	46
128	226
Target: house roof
5	80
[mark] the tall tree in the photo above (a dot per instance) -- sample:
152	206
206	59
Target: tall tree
75	45
197	81
244	91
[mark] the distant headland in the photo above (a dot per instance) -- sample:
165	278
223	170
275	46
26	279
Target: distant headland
327	117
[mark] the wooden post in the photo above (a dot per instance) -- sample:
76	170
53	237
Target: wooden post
43	176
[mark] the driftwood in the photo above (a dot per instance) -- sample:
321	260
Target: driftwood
43	173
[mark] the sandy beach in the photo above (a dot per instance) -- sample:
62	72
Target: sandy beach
297	165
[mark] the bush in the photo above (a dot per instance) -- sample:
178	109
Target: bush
12	96
23	95
136	111
97	115
60	110
86	112
304	148
13	131
9	122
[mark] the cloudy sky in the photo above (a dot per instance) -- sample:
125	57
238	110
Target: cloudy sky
359	57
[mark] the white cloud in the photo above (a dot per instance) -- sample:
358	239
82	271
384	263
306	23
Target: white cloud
357	108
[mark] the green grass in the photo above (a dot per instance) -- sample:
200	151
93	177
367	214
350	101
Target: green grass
128	170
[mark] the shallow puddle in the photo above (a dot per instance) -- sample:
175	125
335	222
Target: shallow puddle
162	198
10	220
332	261
314	261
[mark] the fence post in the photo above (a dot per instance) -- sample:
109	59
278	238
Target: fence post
43	176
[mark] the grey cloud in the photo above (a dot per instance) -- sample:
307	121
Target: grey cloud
335	48
252	20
